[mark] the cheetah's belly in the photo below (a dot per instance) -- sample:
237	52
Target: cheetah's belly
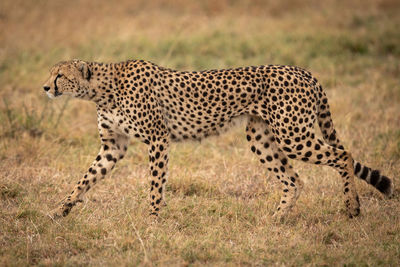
200	128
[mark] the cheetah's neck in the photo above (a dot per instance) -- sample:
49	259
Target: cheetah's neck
101	84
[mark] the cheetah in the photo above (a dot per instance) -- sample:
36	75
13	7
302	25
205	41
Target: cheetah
158	105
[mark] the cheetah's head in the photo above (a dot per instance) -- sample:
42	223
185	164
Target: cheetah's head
68	78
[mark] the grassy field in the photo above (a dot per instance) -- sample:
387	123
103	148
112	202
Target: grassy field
220	200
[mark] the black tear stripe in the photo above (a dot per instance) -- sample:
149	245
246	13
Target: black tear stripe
56	93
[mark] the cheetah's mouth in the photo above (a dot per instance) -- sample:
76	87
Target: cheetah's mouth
50	95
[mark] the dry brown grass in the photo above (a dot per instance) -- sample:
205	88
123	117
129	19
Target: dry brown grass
220	200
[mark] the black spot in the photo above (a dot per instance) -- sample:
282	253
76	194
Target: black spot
287	149
299	147
103	171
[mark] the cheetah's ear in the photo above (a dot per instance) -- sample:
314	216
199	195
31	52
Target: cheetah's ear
84	68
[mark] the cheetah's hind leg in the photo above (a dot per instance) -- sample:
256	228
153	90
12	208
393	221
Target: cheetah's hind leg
264	146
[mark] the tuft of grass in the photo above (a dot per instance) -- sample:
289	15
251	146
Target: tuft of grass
10	191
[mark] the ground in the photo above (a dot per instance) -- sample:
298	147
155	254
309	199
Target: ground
220	200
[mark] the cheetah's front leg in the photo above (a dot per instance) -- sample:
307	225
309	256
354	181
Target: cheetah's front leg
112	149
158	159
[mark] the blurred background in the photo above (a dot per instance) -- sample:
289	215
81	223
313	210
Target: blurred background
352	47
339	41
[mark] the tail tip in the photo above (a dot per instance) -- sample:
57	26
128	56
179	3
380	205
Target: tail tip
385	186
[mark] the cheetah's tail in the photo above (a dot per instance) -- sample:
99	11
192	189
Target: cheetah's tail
372	177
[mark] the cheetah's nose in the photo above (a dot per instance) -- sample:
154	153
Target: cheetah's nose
46	88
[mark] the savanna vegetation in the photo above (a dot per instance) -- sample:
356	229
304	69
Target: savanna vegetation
220	199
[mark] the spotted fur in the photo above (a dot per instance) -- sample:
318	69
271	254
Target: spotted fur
159	105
